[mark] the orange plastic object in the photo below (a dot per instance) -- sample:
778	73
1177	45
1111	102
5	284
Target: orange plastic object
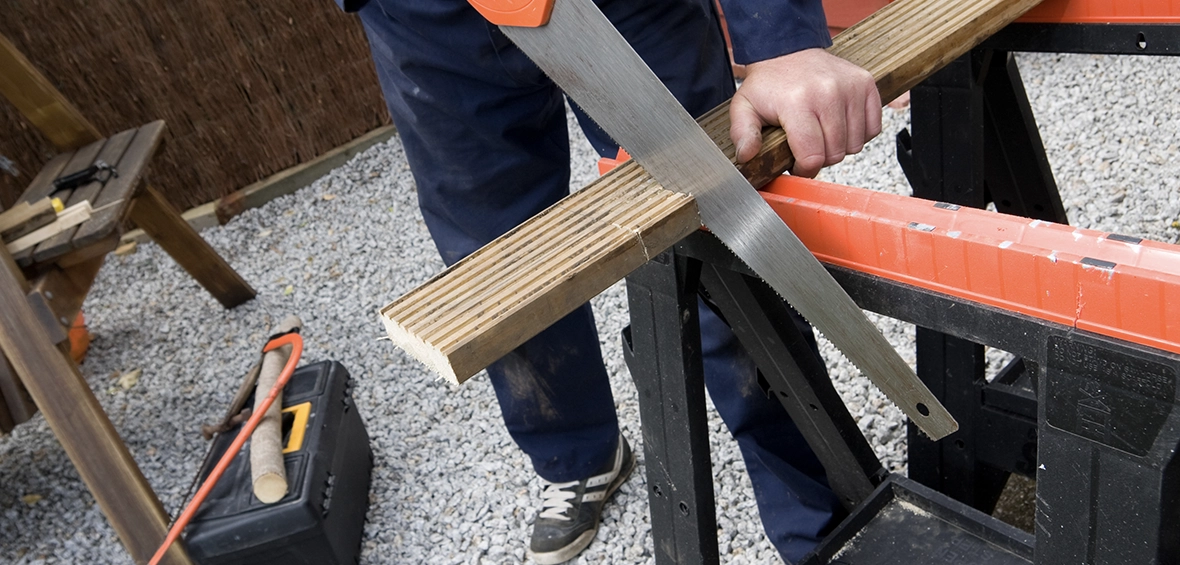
518	13
1104	12
79	338
1120	287
1103	283
843	14
606	164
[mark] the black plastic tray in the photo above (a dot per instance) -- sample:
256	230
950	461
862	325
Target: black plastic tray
906	523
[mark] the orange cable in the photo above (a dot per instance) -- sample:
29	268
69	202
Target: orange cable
296	342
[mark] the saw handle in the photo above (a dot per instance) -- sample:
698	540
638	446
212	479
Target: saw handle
517	13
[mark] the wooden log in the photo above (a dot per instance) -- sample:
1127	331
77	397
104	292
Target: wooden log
268	473
484	306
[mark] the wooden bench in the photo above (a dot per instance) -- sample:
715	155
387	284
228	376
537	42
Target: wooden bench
43	286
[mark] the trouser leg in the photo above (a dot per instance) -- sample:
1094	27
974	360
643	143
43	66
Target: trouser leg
795	503
484	131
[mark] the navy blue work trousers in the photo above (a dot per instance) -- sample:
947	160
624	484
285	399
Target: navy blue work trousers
485	134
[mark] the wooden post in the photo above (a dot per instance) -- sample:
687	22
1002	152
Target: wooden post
163	223
78	421
36	98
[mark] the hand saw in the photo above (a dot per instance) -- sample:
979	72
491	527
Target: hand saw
574	43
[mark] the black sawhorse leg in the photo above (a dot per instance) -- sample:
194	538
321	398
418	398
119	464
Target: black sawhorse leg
662	347
975	141
663	350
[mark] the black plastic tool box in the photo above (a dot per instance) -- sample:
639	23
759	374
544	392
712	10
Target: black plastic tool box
329	464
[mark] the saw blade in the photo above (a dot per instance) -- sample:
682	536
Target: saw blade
584	54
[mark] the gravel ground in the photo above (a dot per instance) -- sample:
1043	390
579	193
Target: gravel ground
449	486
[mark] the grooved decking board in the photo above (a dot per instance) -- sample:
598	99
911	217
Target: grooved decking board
484	306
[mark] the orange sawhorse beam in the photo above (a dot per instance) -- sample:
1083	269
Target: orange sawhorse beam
1104	12
1117	286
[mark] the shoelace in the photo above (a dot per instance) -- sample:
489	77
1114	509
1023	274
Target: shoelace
555	500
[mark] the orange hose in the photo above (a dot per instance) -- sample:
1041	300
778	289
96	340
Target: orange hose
296	343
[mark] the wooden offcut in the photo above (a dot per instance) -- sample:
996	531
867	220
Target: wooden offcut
25	217
42	185
505	293
64	224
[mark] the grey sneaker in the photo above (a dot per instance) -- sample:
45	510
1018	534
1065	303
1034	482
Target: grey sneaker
570	511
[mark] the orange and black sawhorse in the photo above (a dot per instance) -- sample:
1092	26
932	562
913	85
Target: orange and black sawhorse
1090	406
974	140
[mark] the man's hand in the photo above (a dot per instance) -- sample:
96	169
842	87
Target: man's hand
828	106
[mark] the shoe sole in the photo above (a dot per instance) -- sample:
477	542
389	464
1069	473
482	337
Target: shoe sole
583	541
568	552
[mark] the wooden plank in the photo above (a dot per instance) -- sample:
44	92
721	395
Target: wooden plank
78	421
491	302
163	223
116	195
36	98
550	261
77	161
111	154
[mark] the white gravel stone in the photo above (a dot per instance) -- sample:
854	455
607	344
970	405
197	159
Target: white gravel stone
449	486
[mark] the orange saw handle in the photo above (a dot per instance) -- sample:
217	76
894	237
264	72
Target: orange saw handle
518	13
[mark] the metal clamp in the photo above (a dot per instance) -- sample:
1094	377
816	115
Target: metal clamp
100	172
